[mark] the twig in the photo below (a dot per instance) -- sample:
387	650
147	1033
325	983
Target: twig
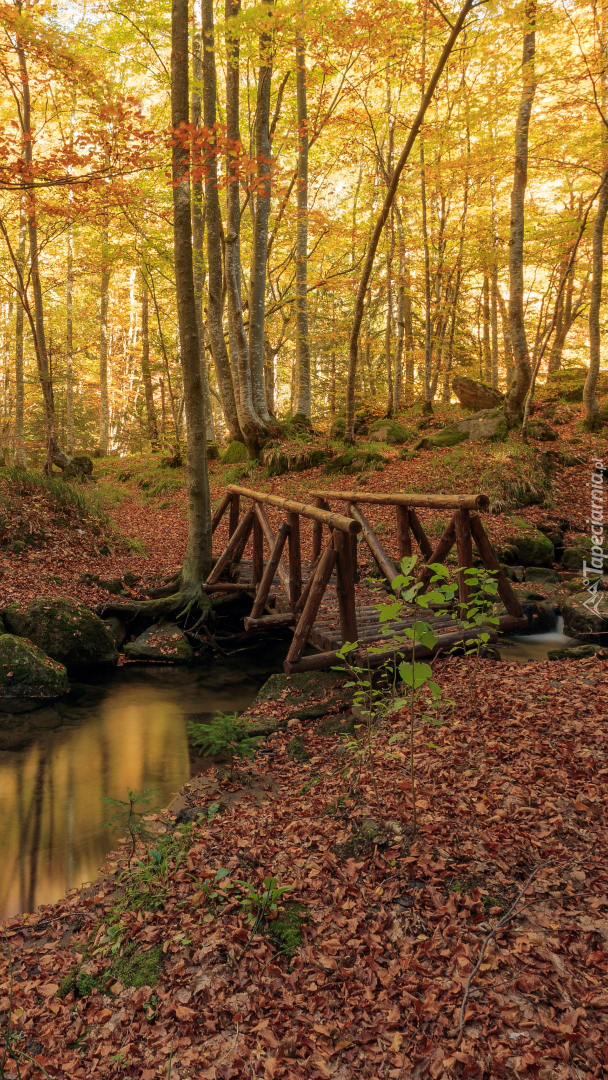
511	913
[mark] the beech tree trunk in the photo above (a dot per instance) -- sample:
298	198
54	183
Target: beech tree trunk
104	402
214	232
487	348
198	221
20	457
145	364
251	425
69	344
303	402
257	287
197	559
595	300
516	395
398	383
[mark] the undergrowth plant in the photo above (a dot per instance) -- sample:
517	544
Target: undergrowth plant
126	816
223	737
474	615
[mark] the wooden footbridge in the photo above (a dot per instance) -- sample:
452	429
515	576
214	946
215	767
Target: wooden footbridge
323	598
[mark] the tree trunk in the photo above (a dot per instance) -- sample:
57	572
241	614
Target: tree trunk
197	559
104	413
250	423
517	391
428	343
487	348
595	300
69	343
145	365
398	383
214	232
198	222
389	325
506	335
257	287
20	458
303	402
37	322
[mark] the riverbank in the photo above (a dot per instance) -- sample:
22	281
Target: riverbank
370	971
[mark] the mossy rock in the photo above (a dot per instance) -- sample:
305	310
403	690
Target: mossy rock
537	429
578	553
338	428
163	641
285	931
450	436
278	460
296	749
389	431
235	453
353	461
407	455
213	452
542	574
578	652
529	547
585	616
336	725
27	672
299	686
65	630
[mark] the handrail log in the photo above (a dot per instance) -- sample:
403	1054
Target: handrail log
398	498
326	517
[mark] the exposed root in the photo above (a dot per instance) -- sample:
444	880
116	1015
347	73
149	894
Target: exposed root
176	607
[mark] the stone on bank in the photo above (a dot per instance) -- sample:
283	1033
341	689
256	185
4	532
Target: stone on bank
26	672
65	630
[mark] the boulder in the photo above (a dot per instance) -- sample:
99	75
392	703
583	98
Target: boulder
449	436
64	629
585	616
488	424
538	429
353	461
528	546
578	652
235	453
163	641
541	574
117	629
389	431
27	672
577	553
475	395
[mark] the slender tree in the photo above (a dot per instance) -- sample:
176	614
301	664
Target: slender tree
303	402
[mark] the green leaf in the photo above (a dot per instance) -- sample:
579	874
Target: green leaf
435	690
415	675
432	745
221	873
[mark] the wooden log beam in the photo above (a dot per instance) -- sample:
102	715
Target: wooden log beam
385	563
404	537
282	572
345	588
271	622
464	548
295	561
317	530
235	509
326	517
239	536
421	538
321	576
221	510
441	552
488	557
257	566
270	569
398	498
227	587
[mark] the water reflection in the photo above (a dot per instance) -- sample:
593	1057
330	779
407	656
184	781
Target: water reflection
131	733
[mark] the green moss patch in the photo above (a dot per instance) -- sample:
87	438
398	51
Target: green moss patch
64	629
235	453
136	967
27	672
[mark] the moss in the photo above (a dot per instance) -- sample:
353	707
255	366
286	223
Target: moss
448	437
308	786
163	641
299	685
286	930
296	749
369	829
136	967
235	453
27	672
529	547
64	629
574	556
577	652
353	461
78	981
390	431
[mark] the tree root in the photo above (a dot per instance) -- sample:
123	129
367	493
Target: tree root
176	607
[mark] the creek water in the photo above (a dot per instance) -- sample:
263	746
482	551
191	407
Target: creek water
525	647
129	732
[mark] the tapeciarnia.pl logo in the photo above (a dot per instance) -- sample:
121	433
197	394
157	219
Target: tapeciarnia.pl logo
593	571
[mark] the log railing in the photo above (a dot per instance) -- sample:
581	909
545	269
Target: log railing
304	589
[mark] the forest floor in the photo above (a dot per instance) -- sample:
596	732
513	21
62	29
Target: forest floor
420	955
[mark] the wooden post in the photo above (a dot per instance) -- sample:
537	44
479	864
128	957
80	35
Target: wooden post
317	530
270	540
386	565
346	589
488	556
464	547
295	561
270	570
258	551
404	537
235	507
320	579
353	546
240	536
419	533
441	552
221	510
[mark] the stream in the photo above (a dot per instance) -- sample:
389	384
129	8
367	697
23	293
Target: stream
129	732
58	763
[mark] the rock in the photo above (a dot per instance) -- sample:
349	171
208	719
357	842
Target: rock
296	749
130	578
88	578
27	672
235	453
529	546
475	395
541	615
353	461
488	425
449	436
213	452
163	641
278	460
585	616
336	725
578	553
298	687
2	627
407	455
542	574
389	431
117	629
64	629
578	652
538	429
83	464
111	585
